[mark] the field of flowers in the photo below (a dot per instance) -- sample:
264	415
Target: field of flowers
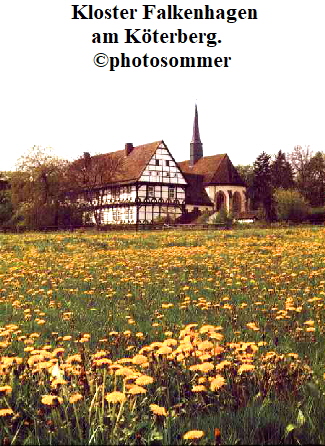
163	338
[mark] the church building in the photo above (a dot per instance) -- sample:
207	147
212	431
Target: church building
150	185
216	175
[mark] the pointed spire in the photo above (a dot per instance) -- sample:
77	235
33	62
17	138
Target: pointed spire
196	144
196	132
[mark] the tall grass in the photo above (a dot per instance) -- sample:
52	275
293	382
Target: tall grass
227	325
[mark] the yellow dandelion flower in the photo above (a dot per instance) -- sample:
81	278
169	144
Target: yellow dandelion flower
125	361
132	377
58	382
136	390
193	435
217	382
74	358
43	365
124	371
139	359
74	398
245	368
100	354
144	365
216	336
205	345
199	388
5	390
28	349
309	323
115	397
202	380
206	328
51	400
34	335
6	412
115	366
158	410
102	362
170	341
58	352
165	350
222	365
143	380
204	367
41	322
252	326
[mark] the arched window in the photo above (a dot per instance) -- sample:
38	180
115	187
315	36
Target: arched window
236	202
220	200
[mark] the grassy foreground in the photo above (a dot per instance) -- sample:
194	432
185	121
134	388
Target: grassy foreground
163	338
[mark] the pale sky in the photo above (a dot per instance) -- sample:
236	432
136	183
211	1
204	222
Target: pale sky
271	96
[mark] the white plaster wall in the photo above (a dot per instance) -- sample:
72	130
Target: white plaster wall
162	173
190	208
118	215
162	192
212	190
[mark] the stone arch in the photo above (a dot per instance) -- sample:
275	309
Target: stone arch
236	202
220	201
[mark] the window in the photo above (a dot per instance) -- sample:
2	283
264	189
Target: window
171	193
116	193
157	162
150	191
167	162
128	214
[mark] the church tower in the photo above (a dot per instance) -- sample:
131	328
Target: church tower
196	144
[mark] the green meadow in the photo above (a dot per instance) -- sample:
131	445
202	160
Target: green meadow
157	338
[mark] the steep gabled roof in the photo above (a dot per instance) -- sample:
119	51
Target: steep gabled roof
216	169
131	166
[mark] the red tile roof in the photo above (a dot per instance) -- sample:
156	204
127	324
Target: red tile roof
129	167
216	169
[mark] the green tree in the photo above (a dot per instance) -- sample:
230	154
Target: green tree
281	172
262	186
89	177
299	159
290	205
315	180
38	188
6	208
246	172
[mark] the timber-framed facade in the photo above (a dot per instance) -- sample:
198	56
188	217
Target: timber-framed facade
150	186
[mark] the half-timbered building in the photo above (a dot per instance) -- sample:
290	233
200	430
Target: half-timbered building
149	185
